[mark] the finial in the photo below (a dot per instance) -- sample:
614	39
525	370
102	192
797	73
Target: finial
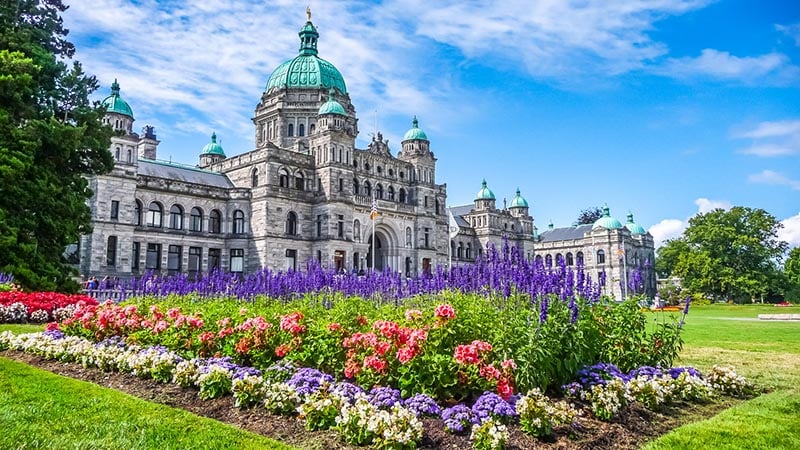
308	13
606	210
517	191
415	122
115	87
630	217
214	137
484	182
550	225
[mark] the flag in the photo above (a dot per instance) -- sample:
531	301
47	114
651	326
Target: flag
374	212
452	225
620	252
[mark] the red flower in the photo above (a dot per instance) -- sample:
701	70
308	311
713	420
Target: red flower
333	326
282	350
375	363
445	311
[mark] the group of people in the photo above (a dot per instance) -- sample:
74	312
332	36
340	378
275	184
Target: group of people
92	283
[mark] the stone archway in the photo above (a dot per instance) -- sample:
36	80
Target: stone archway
386	249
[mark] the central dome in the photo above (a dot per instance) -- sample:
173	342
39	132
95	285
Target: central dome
307	70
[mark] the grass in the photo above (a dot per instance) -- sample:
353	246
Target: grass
766	352
18	328
39	409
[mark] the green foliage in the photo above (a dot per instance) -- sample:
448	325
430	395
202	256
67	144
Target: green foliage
726	255
791	271
588	216
50	138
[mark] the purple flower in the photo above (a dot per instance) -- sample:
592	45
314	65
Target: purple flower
306	381
384	397
458	419
54	334
686	308
675	372
423	405
599	374
347	390
490	405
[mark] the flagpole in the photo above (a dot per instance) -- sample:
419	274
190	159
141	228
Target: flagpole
624	276
372	215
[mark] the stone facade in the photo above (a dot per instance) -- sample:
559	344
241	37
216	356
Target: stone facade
304	192
606	247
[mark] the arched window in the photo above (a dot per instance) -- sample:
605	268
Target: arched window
548	261
238	222
299	181
355	186
137	214
291	223
452	247
366	166
559	259
379	169
176	217
460	250
130	156
291	129
408	237
437	209
570	261
601	257
402	175
379	191
283	178
402	195
254	177
391	172
301	130
196	219
215	222
117	155
311	129
390	193
367	189
357	230
469	251
154	213
579	258
538	260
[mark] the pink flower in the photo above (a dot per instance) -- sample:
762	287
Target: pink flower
466	354
482	346
413	314
387	328
375	363
333	326
161	325
490	373
508	365
206	337
52	326
243	311
382	347
225	332
224	322
282	350
505	388
445	311
406	354
173	313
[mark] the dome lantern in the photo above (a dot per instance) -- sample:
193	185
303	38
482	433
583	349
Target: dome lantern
212	148
518	201
415	132
634	227
485	193
115	104
606	221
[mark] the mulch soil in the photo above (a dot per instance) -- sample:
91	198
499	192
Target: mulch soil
629	431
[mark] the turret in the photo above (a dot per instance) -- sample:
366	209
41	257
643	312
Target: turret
211	153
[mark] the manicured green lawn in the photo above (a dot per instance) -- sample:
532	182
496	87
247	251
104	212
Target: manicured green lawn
39	409
21	327
766	352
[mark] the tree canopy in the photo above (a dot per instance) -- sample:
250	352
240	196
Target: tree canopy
726	254
51	137
791	270
589	216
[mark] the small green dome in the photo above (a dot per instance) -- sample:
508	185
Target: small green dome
485	193
115	104
634	228
606	221
212	148
331	106
415	133
307	70
518	201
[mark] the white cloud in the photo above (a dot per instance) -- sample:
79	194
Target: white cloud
771	67
672	228
774	178
793	31
705	205
666	229
770	139
791	231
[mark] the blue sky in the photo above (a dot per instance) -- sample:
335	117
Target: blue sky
665	108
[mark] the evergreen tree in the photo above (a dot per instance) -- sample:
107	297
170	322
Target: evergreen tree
589	216
51	136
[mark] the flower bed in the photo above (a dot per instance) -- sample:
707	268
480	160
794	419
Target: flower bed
381	416
40	307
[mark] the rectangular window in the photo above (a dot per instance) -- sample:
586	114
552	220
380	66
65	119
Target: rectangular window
153	260
426	201
111	252
291	259
174	256
237	260
341	184
319	226
340	226
115	210
137	249
427	237
214	255
195	261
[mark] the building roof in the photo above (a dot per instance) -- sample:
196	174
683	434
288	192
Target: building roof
606	221
634	227
115	104
415	132
518	201
565	234
213	148
458	212
485	193
307	70
181	172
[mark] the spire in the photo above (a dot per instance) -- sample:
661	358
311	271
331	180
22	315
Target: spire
606	211
115	88
308	36
415	122
630	217
213	137
484	183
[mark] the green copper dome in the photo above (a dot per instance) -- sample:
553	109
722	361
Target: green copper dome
518	201
634	228
115	104
416	132
485	193
606	221
331	106
212	148
307	70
